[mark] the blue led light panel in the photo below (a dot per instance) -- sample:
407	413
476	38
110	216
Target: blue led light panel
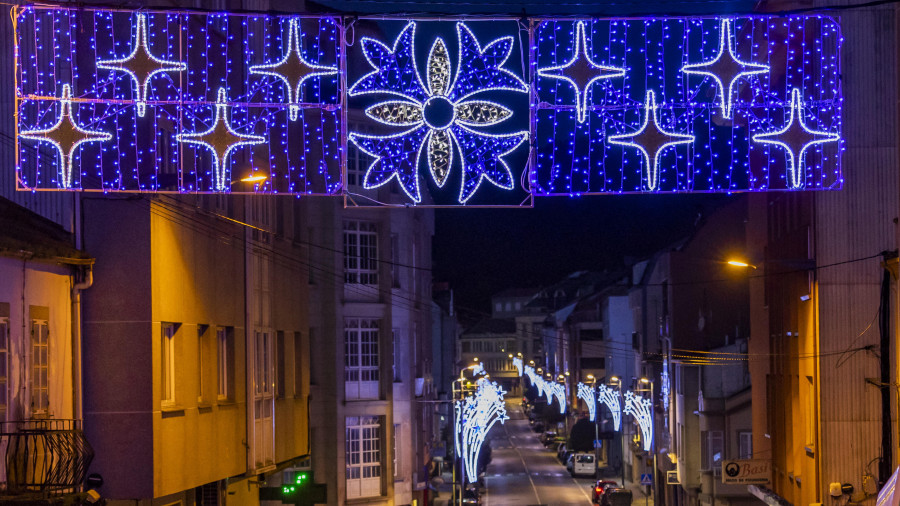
177	102
437	113
686	105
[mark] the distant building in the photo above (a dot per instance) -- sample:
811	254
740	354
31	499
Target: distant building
511	302
493	343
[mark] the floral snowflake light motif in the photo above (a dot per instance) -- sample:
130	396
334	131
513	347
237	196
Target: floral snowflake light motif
442	116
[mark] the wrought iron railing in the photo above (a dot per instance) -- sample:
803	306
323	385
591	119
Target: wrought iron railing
43	457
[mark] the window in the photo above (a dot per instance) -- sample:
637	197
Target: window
361	359
40	368
745	445
363	457
4	367
396	354
712	450
396	438
225	362
298	364
360	253
280	362
167	349
395	260
201	360
357	162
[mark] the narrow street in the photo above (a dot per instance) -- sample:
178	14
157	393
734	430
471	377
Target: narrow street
523	472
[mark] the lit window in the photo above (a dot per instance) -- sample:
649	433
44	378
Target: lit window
167	349
360	253
363	457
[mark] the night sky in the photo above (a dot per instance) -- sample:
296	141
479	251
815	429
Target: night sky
480	252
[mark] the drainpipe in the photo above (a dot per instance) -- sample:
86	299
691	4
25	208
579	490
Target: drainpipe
885	331
87	279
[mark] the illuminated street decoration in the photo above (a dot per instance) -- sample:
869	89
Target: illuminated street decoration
640	409
478	369
664	386
557	390
66	135
475	415
586	393
610	398
152	79
221	139
651	140
581	72
718	81
726	67
445	121
518	363
796	139
293	69
141	66
535	379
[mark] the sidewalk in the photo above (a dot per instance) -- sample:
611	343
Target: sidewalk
639	494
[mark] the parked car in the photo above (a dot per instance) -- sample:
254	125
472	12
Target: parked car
570	462
616	497
538	427
583	465
547	437
560	449
565	456
600	487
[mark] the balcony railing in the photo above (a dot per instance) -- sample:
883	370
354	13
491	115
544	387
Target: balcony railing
42	457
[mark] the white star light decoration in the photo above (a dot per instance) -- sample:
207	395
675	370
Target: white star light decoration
66	136
141	66
640	408
535	379
221	139
650	139
557	390
610	398
518	364
293	69
725	67
442	117
581	72
586	393
796	138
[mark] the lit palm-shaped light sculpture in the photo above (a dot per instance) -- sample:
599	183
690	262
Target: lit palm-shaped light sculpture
519	365
610	398
475	415
639	407
586	393
557	390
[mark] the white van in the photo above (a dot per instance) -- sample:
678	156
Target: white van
583	464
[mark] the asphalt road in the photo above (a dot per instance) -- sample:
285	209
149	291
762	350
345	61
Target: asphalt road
523	473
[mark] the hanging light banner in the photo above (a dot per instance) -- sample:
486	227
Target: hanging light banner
178	102
686	105
424	112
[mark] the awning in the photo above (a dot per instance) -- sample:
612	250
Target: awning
888	495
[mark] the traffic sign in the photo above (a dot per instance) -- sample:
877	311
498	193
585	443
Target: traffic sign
646	479
598	443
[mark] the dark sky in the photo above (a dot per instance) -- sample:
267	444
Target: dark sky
483	251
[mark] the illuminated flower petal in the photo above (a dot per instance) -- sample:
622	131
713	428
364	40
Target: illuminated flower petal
481	159
396	113
480	69
438	68
440	156
393	159
395	68
481	113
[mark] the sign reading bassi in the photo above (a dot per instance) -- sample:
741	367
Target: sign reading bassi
424	112
747	472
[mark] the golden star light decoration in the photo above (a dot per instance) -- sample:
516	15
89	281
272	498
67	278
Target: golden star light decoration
651	140
726	68
293	69
141	66
66	135
221	139
581	72
796	138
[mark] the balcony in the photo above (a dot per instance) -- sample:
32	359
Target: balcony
42	459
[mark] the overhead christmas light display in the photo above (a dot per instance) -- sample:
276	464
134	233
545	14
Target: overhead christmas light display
732	81
439	108
475	415
610	398
518	364
586	393
66	135
557	390
640	409
535	379
153	79
699	104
